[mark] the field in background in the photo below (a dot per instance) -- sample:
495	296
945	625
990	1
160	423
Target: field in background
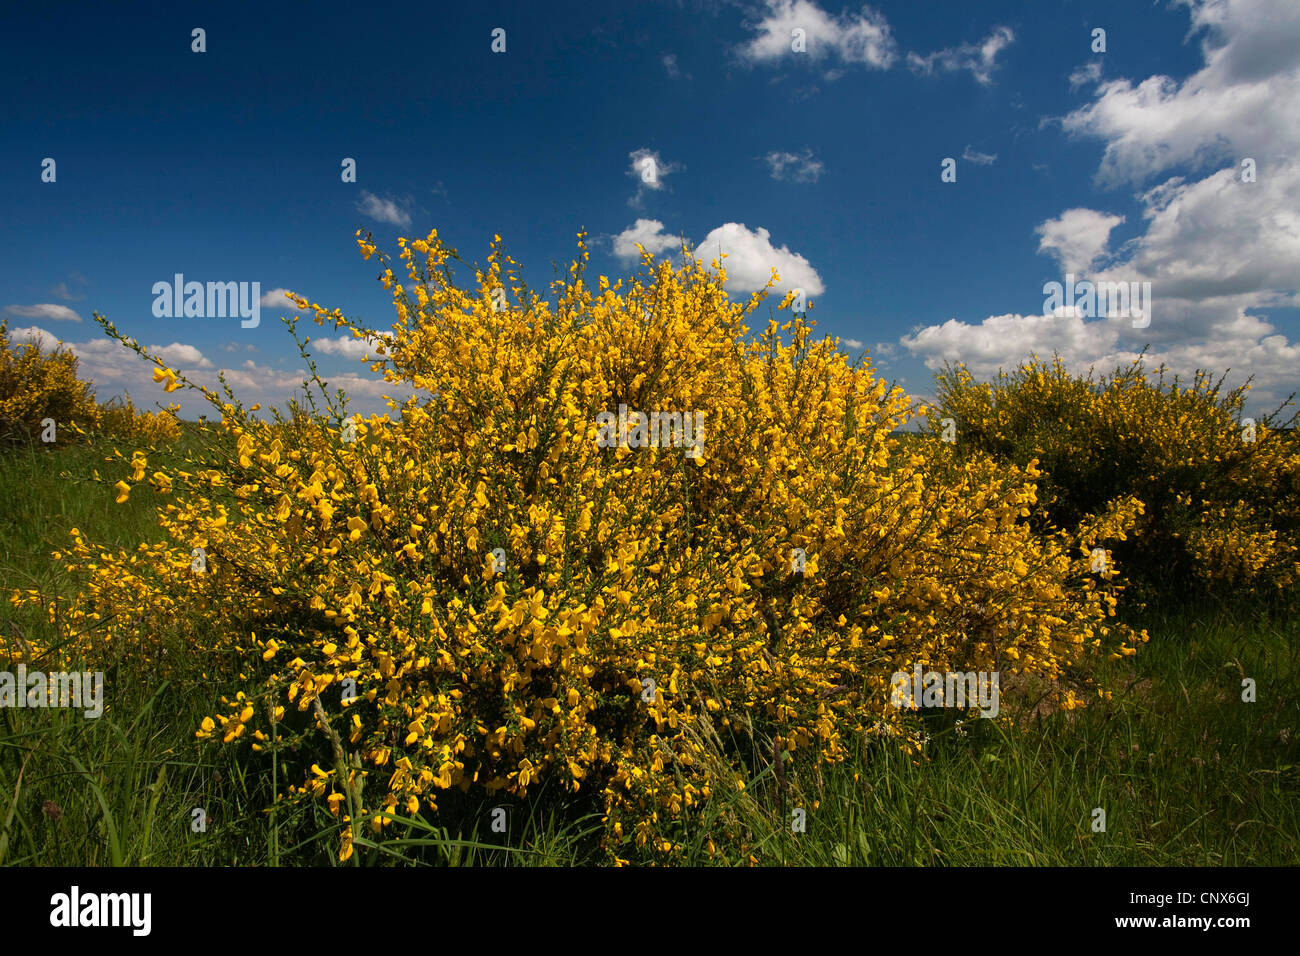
1186	772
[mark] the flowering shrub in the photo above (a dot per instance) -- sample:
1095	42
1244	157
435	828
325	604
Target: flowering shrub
477	595
1221	493
36	386
122	420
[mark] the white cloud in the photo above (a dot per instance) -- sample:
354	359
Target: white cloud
1004	341
1241	103
862	39
648	232
649	169
1001	341
797	167
979	159
278	299
349	346
670	66
1077	238
43	340
1219	252
46	311
852	343
61	290
751	258
1088	73
383	210
178	354
979	58
115	370
750	255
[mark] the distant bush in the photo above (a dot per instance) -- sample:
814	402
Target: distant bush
1221	493
38	388
119	418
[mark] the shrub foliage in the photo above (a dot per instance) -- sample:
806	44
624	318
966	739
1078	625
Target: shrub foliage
1221	492
652	639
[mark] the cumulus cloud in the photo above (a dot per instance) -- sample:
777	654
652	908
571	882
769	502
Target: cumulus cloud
650	234
278	299
979	58
43	340
1003	341
864	38
383	210
348	346
751	257
1077	238
180	355
796	167
1241	103
1219	251
45	311
115	370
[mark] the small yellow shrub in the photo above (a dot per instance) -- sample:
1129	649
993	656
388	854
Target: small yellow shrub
120	419
37	387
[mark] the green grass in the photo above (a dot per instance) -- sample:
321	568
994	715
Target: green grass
1187	773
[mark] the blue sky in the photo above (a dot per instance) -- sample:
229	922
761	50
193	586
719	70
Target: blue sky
825	162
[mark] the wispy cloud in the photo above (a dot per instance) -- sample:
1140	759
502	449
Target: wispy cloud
979	159
1088	73
64	291
383	210
979	58
649	169
672	68
796	167
48	311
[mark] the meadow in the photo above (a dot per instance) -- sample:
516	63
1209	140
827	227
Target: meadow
498	643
